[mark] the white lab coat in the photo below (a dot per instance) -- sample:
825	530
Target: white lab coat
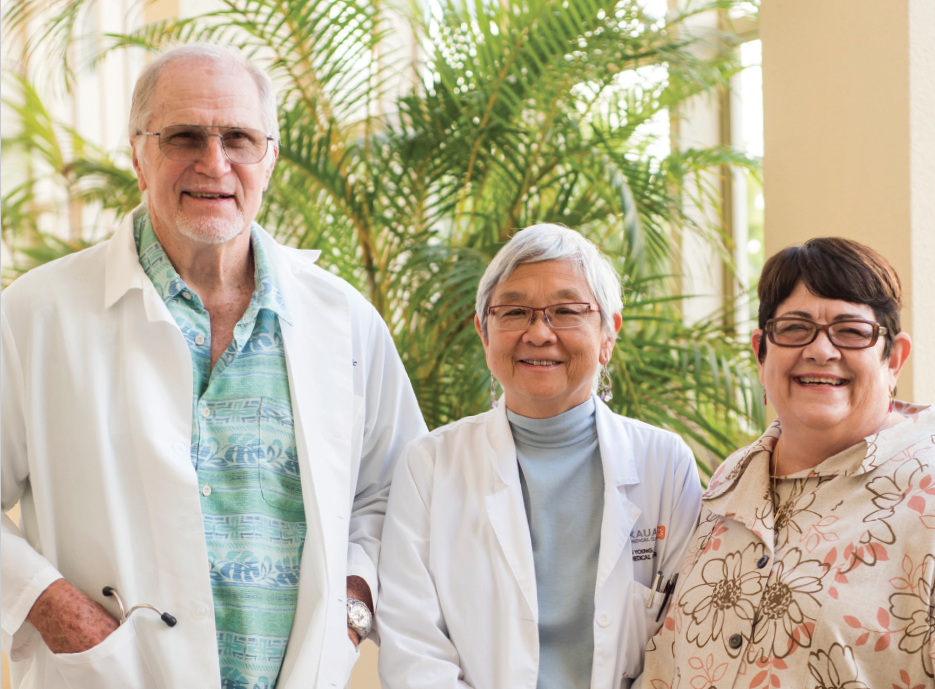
458	586
96	430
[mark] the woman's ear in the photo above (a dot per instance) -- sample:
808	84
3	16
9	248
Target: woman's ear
608	341
480	331
902	346
756	341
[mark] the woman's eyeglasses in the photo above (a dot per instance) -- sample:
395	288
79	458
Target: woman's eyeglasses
558	316
844	334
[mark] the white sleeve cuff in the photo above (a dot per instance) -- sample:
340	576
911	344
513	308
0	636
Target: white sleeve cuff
19	638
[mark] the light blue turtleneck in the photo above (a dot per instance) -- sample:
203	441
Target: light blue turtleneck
563	487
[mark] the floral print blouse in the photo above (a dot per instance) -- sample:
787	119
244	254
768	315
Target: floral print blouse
835	590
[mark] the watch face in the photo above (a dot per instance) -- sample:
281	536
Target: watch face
360	616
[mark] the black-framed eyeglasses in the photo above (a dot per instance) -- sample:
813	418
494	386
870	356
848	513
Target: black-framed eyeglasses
185	143
558	316
844	334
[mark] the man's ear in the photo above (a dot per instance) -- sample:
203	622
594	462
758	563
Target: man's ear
140	180
272	164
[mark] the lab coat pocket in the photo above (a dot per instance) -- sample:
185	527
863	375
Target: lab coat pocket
277	461
115	663
641	625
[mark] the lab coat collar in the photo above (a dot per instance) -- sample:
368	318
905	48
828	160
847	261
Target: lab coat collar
507	511
122	269
616	452
123	272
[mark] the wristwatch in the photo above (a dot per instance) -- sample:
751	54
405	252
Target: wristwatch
359	617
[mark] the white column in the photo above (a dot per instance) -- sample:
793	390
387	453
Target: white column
849	126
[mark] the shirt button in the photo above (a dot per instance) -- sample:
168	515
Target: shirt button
206	490
735	642
205	412
603	619
199	339
178	448
201	612
761	563
186	295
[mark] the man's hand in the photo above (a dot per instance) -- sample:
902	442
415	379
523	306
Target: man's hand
69	620
357	589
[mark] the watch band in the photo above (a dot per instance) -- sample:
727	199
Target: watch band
359	617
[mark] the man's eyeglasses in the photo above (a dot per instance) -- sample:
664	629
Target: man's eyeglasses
558	316
185	143
849	334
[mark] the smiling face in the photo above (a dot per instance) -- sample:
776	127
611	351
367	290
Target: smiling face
822	388
210	199
545	372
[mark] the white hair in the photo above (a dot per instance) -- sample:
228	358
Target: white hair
547	242
141	108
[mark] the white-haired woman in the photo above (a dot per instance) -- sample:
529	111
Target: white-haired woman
521	545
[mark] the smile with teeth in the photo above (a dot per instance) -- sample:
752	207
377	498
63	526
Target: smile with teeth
812	380
205	195
540	362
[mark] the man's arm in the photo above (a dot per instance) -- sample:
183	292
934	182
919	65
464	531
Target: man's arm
357	589
391	419
35	597
69	620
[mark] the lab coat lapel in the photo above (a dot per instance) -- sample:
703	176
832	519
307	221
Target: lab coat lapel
619	471
506	510
123	272
156	360
321	390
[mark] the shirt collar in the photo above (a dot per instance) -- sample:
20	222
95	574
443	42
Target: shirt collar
875	450
169	284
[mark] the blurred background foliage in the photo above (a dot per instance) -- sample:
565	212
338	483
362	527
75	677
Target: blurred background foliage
411	174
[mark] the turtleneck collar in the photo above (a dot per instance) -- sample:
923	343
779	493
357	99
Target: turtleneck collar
570	427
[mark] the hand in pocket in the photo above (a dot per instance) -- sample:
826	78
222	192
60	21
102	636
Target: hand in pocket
69	620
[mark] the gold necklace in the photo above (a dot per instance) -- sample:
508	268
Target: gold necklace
773	471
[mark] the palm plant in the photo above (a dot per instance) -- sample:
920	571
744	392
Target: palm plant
519	113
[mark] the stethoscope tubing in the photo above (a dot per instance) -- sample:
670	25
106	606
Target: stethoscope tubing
125	614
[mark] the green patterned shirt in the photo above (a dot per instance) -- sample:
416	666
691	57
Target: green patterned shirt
244	453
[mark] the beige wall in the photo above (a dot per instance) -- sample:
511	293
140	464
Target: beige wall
849	141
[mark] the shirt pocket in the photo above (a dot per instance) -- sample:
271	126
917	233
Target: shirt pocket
277	460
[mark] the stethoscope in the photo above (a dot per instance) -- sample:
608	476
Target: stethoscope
125	614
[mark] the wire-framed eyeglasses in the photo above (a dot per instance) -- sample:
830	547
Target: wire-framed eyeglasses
844	334
185	143
558	316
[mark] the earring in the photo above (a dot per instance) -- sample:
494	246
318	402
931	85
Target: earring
605	389
493	391
892	399
764	399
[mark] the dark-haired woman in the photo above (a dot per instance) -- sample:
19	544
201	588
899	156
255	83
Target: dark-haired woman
813	565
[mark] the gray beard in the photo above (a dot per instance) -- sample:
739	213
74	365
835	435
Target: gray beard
211	230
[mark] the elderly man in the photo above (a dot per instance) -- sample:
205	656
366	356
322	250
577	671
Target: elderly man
196	420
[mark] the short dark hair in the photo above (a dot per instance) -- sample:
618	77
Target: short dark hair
832	268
